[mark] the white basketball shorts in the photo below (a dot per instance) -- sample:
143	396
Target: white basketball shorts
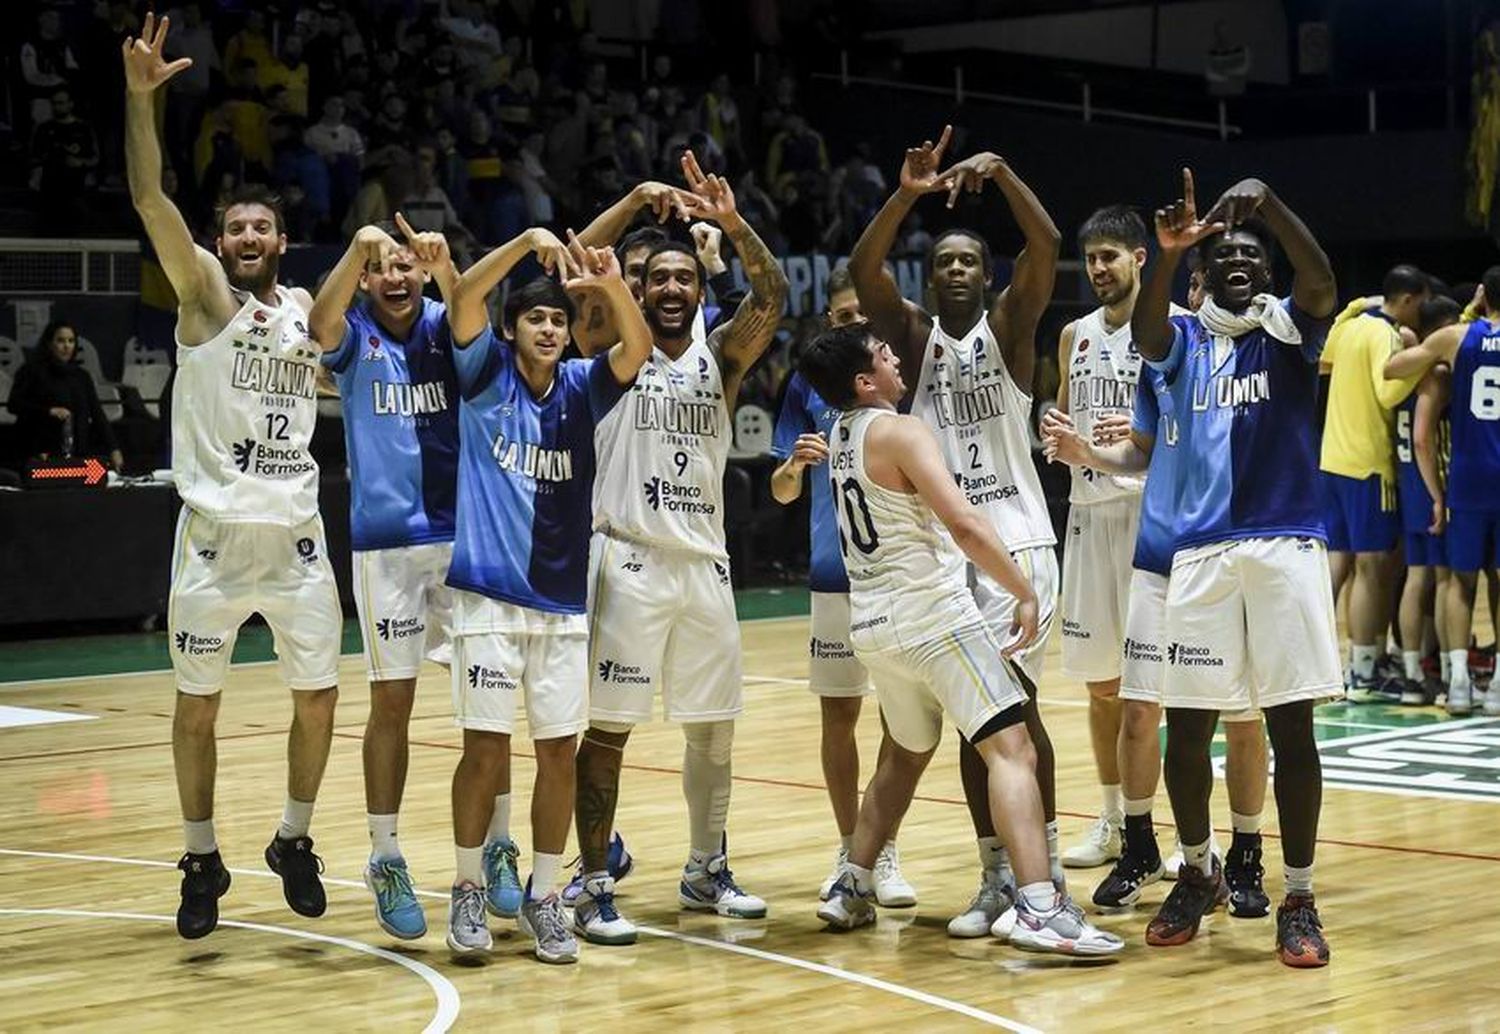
833	670
1039	565
405	609
501	650
1097	554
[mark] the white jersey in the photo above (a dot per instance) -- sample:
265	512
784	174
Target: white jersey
1102	375
906	577
243	409
661	453
982	421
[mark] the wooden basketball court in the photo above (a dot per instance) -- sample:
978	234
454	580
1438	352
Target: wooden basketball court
90	833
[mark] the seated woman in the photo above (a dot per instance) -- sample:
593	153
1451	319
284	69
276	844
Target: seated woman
52	392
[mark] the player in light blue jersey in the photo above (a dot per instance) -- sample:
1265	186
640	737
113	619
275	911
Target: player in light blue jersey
392	357
835	675
520	563
1472	351
1249	607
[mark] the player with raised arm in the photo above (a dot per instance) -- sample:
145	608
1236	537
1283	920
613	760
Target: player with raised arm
249	538
661	605
1249	610
905	530
974	370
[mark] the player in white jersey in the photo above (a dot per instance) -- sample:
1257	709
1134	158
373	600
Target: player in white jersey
915	624
660	601
1100	370
975	369
249	538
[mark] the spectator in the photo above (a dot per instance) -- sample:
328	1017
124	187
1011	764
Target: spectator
46	63
635	138
452	168
796	156
720	118
187	101
914	241
757	208
568	140
325	57
246	117
531	177
596	84
390	128
64	154
476	39
250	44
428	207
291	73
56	407
341	146
297	165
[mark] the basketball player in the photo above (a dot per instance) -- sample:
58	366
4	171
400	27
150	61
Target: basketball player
392	357
914	623
1422	453
1472	351
1358	461
661	604
1249	610
249	539
835	675
974	375
520	559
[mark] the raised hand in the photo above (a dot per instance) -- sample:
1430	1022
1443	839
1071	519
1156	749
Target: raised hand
590	267
919	172
428	247
971	174
1178	227
713	198
550	252
707	239
377	246
668	202
810	450
1238	203
145	68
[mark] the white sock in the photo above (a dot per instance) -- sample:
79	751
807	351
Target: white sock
296	817
992	854
383	843
1363	658
1114	803
864	879
500	818
1140	807
470	864
845	843
1039	897
1458	668
1298	881
1411	660
1052	842
544	870
1445	666
199	836
1200	855
698	860
1245	823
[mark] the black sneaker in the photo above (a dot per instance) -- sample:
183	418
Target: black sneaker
1299	934
1242	874
1375	690
1194	897
298	867
1414	693
1122	887
204	882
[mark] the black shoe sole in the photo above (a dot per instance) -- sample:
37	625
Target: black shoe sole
192	933
312	910
1249	910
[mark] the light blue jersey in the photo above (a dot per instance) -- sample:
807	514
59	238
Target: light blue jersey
1248	435
803	411
526	477
400	402
1155	542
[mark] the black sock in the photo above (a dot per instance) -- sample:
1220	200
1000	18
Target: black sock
1244	842
1140	839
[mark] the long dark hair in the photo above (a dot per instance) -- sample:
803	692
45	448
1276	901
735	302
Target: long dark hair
42	353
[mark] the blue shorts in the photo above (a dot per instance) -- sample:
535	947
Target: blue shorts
1360	516
1424	550
1472	539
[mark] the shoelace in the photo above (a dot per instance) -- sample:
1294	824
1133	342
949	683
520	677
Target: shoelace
724	880
548	922
471	908
1100	832
301	854
1303	922
1245	870
392	882
886	865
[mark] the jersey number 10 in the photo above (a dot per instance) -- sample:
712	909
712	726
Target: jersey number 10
851	494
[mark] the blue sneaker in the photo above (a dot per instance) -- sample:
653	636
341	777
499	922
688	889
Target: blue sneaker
396	907
503	891
619	863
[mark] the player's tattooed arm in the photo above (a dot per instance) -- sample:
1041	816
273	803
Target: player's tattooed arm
371	247
596	275
593	330
467	316
903	325
202	288
741	341
1016	313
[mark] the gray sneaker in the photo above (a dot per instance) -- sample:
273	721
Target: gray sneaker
544	920
467	932
1061	929
996	895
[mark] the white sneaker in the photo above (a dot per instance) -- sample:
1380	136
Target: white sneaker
1062	929
1491	703
1101	845
891	888
839	861
1461	700
846	908
712	889
595	917
995	895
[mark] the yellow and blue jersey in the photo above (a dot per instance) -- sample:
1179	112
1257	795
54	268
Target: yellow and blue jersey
1474	415
1361	402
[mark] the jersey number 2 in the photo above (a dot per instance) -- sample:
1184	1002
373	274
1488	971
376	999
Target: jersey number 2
861	527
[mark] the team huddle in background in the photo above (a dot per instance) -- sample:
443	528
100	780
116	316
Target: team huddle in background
552	528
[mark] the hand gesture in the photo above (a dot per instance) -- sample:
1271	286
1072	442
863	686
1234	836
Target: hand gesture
1238	203
428	247
1178	227
1061	442
145	69
810	450
1022	626
590	268
667	201
1439	518
377	246
1111	428
713	198
551	252
706	239
972	173
919	172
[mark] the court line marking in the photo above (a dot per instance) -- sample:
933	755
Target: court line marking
446	994
936	1001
